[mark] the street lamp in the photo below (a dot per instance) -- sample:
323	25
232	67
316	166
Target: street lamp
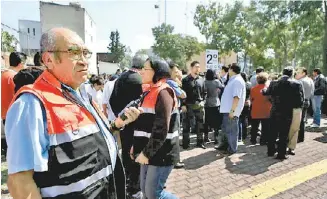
156	6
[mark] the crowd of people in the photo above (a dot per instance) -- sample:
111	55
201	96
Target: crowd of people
117	136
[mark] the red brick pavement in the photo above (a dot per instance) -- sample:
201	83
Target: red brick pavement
208	174
315	189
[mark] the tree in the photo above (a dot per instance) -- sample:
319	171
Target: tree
142	51
127	60
8	42
325	36
291	31
177	47
308	21
115	47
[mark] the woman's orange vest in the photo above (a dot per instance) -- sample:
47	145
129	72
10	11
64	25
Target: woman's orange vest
167	154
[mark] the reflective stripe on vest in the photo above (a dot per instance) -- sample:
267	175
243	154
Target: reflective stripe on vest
77	186
148	110
170	136
79	157
70	136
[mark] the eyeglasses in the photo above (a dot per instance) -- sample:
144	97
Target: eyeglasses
146	69
75	54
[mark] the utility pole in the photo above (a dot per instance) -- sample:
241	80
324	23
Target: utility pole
165	12
157	6
186	17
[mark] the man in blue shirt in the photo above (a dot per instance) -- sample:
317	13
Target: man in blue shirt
27	130
232	103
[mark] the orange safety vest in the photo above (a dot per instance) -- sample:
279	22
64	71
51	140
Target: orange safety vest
79	163
167	154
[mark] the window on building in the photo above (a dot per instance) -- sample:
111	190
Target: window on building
28	30
91	39
91	24
34	31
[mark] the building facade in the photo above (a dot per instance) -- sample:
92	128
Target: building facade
75	18
223	60
29	36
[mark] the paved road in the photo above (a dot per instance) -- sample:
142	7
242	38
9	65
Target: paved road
315	188
210	175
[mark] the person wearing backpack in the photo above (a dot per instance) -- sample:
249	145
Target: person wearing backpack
126	88
319	92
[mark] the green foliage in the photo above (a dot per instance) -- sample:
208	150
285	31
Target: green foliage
142	51
127	60
115	47
8	42
296	31
177	47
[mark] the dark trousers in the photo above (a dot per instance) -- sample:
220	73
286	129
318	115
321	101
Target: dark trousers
213	120
191	113
4	142
243	123
302	125
265	125
179	116
132	169
280	125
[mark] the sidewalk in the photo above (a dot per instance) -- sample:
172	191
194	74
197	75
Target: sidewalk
208	174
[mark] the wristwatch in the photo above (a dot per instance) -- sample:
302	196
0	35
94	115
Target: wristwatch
232	111
113	126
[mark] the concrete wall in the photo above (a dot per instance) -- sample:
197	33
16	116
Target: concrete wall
108	68
200	58
55	15
74	18
90	41
30	35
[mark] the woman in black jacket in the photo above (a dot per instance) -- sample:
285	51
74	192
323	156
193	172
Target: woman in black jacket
156	138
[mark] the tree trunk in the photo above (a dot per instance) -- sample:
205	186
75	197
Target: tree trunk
325	40
285	52
245	55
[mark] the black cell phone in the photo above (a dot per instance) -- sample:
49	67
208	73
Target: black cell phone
135	103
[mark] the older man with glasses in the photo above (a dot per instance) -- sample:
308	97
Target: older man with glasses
59	144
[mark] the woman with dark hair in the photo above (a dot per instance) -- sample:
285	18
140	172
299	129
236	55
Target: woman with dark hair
244	117
156	139
212	88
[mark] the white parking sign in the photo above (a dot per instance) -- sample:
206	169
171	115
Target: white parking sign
212	59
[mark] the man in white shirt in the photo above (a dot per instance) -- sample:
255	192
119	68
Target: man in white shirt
232	103
106	108
95	90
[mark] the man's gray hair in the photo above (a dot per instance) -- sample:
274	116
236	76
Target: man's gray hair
48	41
139	60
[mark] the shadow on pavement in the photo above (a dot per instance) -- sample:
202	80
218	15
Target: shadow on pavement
315	130
322	139
250	164
4	176
201	160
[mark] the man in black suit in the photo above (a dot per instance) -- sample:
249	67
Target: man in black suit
128	87
288	95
